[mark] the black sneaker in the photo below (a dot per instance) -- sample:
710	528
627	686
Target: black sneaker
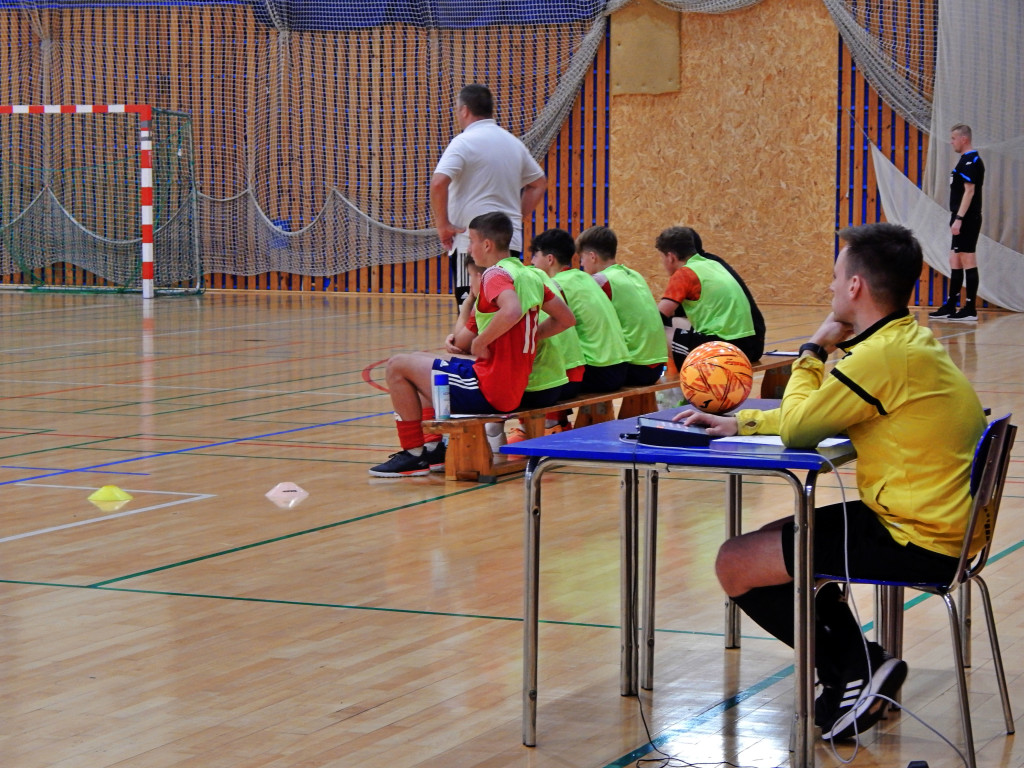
435	457
402	464
945	310
859	707
825	706
967	315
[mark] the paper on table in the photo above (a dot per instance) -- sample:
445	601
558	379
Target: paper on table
775	440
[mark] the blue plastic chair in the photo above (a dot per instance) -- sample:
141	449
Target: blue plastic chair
988	474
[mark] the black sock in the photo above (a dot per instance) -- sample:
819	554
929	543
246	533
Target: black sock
838	642
972	285
956	282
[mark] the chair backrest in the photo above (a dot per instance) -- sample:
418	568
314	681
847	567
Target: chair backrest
988	474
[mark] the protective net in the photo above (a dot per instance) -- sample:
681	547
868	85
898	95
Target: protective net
317	125
70	201
940	63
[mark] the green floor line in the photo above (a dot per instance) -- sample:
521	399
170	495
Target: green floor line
287	536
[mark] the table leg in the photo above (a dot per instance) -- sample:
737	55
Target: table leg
531	594
650	568
803	626
733	527
889	622
628	583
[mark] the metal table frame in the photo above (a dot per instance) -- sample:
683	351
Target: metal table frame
640	654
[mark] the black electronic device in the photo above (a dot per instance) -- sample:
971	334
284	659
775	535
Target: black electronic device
666	433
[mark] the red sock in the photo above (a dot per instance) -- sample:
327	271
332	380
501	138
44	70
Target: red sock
410	434
430	437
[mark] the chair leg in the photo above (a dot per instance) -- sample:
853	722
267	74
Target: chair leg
997	656
961	680
964	594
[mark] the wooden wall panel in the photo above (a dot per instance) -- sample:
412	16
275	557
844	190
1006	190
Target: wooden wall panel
744	152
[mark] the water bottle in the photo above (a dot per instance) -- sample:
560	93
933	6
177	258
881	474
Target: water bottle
440	397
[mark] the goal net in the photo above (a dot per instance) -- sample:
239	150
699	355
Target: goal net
97	197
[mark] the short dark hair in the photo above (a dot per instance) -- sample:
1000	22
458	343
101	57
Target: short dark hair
682	241
556	242
478	99
601	240
963	129
496	227
888	258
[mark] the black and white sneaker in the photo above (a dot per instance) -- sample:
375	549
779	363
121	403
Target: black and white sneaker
402	464
859	707
435	457
966	315
945	310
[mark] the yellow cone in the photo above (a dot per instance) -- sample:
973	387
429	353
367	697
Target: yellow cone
110	493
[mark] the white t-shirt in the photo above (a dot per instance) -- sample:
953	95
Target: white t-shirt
488	167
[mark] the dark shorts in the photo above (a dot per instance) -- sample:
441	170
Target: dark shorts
967	240
541	398
684	341
642	375
603	378
463	386
570	391
863	548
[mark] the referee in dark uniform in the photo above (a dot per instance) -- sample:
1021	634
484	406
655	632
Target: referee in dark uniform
965	184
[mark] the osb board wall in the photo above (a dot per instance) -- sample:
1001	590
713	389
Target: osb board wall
744	152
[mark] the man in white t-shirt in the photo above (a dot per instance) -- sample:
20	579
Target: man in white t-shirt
485	169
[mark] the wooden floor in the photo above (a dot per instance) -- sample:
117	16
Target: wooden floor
377	622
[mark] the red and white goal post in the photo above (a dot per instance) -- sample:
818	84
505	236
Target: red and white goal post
75	231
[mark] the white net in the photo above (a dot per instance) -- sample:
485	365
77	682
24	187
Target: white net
317	125
70	201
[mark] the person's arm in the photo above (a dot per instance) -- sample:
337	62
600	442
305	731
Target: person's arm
965	204
532	194
683	285
460	340
559	317
439	184
510	310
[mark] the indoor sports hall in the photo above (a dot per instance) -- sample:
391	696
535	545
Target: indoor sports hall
198	301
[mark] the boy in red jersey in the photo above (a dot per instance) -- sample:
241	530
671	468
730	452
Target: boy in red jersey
506	311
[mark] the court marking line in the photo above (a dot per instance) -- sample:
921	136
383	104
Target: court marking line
112	516
58	473
98	471
292	535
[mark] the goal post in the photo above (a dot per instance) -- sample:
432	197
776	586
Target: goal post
98	197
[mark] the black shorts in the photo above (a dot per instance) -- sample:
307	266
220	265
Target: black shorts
603	378
967	240
541	398
865	549
685	339
643	375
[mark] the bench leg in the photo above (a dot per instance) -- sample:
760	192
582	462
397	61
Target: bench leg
774	382
597	413
469	454
638	405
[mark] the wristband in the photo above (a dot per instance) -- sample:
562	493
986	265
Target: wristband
958	217
815	349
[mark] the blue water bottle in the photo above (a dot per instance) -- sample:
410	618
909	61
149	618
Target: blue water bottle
440	397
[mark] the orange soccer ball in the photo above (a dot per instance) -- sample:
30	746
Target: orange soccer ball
716	377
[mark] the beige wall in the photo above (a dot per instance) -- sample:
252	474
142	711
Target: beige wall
744	151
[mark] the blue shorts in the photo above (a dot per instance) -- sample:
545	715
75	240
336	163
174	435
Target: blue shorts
463	386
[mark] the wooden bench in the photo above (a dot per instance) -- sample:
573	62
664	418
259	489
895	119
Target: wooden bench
469	455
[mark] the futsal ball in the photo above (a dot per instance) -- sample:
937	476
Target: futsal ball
716	377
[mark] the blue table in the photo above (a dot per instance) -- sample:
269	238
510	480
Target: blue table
600	445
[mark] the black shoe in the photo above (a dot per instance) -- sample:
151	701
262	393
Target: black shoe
859	707
825	705
968	314
435	457
945	310
402	464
